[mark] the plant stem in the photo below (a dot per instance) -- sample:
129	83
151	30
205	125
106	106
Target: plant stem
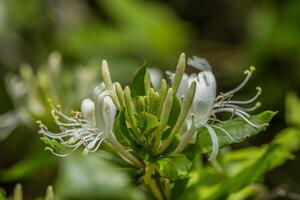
155	189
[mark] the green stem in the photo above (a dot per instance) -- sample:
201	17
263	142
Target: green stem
155	189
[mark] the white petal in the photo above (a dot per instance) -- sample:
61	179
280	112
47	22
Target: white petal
109	111
204	97
215	143
155	76
199	63
184	86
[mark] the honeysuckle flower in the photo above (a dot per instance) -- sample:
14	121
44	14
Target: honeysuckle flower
206	105
88	128
94	124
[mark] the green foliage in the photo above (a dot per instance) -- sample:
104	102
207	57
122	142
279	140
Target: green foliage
241	168
142	125
175	167
175	111
253	173
151	123
237	128
138	83
1	196
89	177
54	145
122	133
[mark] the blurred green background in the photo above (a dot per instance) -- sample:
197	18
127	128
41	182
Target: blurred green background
231	35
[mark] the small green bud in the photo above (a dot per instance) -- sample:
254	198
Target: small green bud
106	76
108	83
130	109
153	101
141	105
162	94
49	193
165	114
147	82
18	192
120	93
188	100
180	69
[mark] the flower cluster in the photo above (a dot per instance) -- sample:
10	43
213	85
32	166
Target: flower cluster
141	121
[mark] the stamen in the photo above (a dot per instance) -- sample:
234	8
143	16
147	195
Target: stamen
226	132
250	123
259	90
248	74
257	105
231	110
223	121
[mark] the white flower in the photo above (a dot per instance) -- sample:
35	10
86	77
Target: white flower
155	76
88	128
206	105
94	124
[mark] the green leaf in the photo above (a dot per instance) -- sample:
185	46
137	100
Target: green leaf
89	177
151	122
121	131
56	146
179	188
175	111
246	177
237	160
174	167
2	197
237	128
138	84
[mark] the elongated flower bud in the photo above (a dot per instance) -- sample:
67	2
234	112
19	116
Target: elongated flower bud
180	68
130	109
106	76
182	117
120	93
165	114
88	109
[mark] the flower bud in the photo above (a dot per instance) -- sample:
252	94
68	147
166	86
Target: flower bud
180	68
88	111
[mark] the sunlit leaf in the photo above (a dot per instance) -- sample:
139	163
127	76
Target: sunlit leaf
138	85
246	177
56	146
151	122
237	128
174	167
